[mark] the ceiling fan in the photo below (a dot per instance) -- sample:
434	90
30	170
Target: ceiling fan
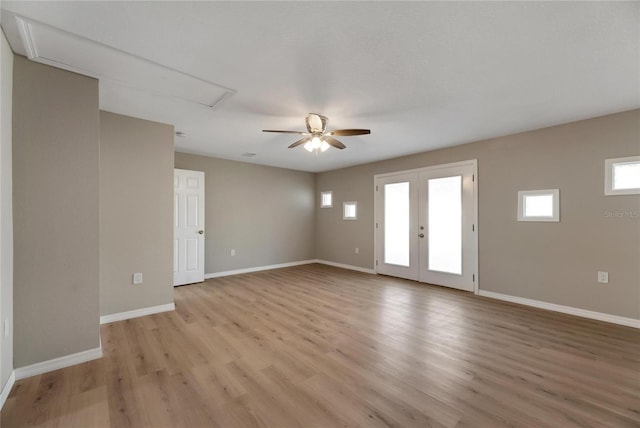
317	138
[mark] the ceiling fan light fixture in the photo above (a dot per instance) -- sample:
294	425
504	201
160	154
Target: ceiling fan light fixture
315	144
308	146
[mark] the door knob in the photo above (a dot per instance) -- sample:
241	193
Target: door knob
201	232
421	235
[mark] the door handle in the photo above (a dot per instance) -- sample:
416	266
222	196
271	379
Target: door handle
201	232
421	235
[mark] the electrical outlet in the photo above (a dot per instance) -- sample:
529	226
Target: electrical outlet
233	252
137	278
357	250
603	277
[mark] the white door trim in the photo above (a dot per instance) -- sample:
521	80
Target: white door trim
471	162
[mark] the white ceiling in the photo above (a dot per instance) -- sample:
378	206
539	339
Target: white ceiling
420	75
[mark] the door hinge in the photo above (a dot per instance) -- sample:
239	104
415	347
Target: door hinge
474	277
376	225
376	187
473	227
376	262
473	177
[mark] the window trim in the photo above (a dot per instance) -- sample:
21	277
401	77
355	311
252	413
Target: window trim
326	192
344	208
555	193
609	165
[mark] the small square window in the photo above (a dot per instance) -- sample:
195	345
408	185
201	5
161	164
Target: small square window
350	210
622	176
326	199
539	205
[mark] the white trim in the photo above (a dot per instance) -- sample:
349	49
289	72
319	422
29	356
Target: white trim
375	225
26	35
58	363
137	313
284	265
609	165
6	390
555	205
257	269
476	222
343	266
629	322
469	162
355	209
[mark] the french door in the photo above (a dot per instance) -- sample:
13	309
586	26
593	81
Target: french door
426	225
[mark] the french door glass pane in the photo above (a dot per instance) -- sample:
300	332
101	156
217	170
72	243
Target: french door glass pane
396	223
445	224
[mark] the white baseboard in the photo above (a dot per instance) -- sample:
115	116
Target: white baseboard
58	363
6	389
137	313
283	265
257	269
629	322
343	266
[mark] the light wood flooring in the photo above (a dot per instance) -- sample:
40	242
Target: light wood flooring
316	346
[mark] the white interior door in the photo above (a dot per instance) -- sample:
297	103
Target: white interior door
426	225
188	236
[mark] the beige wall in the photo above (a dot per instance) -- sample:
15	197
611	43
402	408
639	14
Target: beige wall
266	214
550	262
56	139
136	212
6	214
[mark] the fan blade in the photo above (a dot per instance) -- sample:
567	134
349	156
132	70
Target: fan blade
299	142
286	132
346	132
316	123
334	143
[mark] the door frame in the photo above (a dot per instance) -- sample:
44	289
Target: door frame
376	201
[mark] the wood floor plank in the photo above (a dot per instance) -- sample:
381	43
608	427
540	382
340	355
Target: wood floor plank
89	408
317	346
